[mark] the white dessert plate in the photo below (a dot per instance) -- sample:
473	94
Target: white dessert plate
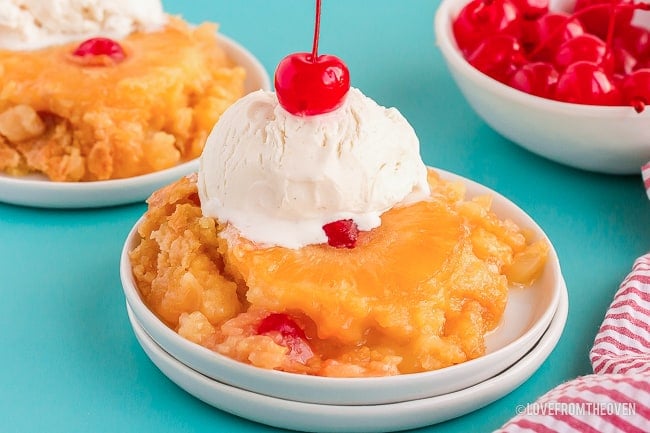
528	314
38	191
350	419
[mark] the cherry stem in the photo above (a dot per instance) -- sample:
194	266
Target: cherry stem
314	50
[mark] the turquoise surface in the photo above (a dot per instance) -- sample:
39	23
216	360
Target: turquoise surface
70	361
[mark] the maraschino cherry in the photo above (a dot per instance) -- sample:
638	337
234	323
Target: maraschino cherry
308	84
544	35
634	39
98	50
286	332
596	20
586	83
483	18
342	233
536	78
636	89
585	47
498	56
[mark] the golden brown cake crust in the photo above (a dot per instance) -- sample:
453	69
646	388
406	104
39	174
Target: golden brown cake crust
149	112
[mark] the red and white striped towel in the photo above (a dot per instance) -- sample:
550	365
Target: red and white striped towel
616	398
623	341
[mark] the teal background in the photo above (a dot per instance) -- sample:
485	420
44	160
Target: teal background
70	362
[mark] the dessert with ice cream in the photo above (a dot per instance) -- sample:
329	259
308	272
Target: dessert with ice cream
314	239
106	89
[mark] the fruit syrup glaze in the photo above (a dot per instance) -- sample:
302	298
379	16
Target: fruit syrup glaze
308	84
593	56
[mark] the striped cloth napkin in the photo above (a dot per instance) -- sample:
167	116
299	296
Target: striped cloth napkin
645	174
616	398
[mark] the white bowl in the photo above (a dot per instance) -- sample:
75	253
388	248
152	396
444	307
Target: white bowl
528	314
311	417
38	191
614	140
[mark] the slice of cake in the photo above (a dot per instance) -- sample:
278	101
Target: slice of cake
107	108
246	257
315	240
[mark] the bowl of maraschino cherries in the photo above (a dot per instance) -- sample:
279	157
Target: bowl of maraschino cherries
566	79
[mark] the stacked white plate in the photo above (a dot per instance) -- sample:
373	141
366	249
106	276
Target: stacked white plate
531	327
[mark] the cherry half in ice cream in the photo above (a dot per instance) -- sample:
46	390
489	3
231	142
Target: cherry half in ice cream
98	48
308	84
342	233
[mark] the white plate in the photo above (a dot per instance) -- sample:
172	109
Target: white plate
372	418
38	191
527	315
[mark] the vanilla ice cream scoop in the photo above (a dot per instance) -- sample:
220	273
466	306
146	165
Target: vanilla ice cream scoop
278	178
35	24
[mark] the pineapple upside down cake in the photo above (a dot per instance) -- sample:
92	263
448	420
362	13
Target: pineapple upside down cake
323	245
107	108
314	239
